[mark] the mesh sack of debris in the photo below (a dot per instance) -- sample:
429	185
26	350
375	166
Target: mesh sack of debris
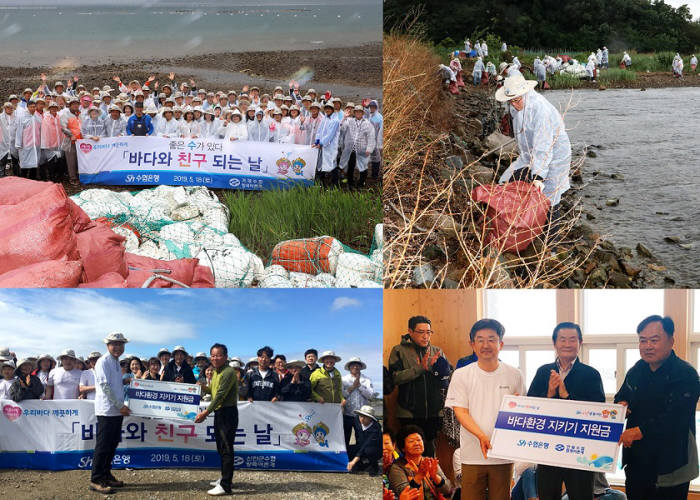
355	270
308	255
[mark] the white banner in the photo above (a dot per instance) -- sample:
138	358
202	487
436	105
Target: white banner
214	163
558	432
60	435
153	398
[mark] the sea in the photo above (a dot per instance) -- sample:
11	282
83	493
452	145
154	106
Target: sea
42	33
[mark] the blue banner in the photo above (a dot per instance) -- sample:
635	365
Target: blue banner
560	426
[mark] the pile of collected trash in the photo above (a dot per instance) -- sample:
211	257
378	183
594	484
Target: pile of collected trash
167	223
47	240
574	68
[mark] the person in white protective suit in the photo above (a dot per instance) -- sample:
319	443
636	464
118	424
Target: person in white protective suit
484	48
677	66
693	62
507	70
626	60
259	129
212	127
377	121
280	131
491	69
168	126
295	121
467	46
543	144
236	130
590	69
8	151
52	142
604	58
479	68
115	123
540	72
327	140
93	127
28	141
477	47
189	128
516	63
358	142
598	57
504	47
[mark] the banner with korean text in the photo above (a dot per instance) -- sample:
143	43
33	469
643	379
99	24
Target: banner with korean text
60	435
558	432
214	163
153	398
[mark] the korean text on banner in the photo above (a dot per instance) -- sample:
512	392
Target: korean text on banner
60	435
558	432
214	163
153	398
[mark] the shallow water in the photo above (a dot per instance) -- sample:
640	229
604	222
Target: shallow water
96	34
651	138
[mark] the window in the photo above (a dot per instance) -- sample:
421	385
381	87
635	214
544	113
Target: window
523	312
605	361
618	311
510	357
535	359
631	357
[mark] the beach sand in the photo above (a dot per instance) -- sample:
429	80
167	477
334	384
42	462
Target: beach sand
191	483
350	73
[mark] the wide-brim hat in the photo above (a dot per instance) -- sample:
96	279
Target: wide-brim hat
367	411
67	353
7	362
179	348
45	356
295	363
94	354
513	87
357	360
114	107
251	361
235	364
329	354
25	361
201	355
116	337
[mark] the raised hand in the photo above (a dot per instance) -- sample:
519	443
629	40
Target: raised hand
171	75
43	77
116	79
151	78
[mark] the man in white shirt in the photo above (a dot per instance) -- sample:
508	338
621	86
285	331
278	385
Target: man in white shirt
7	370
110	411
87	377
475	395
64	380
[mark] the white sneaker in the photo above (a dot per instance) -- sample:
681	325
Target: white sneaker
215	483
217	491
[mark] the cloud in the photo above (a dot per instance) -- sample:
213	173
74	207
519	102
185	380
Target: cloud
343	302
36	321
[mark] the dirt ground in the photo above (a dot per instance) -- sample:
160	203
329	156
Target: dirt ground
190	483
349	73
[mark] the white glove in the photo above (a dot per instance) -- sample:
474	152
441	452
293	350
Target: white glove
506	175
538	184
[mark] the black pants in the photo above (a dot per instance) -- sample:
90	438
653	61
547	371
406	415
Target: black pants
579	483
109	433
352	163
225	424
642	486
347	429
374	167
430	427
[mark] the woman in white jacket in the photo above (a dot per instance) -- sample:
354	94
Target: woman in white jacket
211	127
279	130
236	130
189	128
167	125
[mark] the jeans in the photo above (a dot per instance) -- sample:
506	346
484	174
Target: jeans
109	433
526	487
477	78
225	424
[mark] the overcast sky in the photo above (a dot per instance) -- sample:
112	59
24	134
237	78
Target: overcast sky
693	4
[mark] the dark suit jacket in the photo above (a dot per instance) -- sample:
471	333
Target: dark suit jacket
369	442
583	383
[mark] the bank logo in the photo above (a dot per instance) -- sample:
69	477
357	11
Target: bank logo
234	183
85	147
12	412
559	447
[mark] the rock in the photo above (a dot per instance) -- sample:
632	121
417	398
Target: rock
642	89
446	173
480	175
656	267
598	275
503	142
618	177
423	276
591	154
590	216
618	280
451	284
432	252
629	269
444	223
643	251
579	276
661	213
454	162
672	239
613	202
677	219
602	87
475	127
686	246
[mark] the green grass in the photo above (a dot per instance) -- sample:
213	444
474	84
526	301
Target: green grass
608	76
262	220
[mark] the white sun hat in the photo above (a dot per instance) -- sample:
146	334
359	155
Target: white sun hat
514	86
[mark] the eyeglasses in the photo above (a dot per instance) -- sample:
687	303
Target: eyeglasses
423	332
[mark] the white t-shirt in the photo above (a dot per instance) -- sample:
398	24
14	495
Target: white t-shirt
87	378
481	393
65	383
5	388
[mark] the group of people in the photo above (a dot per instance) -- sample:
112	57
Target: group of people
104	378
660	393
39	128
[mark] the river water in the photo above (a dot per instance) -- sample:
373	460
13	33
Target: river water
651	139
